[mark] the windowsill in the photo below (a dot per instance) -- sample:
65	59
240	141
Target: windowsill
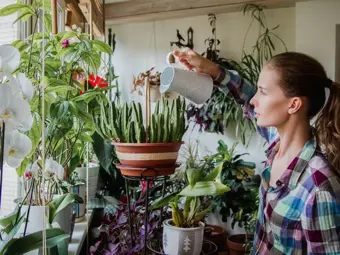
79	234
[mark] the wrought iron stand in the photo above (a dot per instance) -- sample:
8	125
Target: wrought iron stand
148	175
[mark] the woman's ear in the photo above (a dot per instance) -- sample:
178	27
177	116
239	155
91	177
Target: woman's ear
295	105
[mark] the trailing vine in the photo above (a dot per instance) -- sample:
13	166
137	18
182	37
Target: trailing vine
221	110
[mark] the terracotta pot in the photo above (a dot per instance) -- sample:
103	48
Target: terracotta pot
142	171
147	155
216	234
235	244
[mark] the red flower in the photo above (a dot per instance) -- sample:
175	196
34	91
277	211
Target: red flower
97	81
144	183
28	175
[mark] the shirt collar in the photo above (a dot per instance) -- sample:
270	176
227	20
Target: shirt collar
298	165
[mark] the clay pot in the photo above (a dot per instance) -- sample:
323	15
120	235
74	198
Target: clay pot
145	172
147	155
235	244
217	235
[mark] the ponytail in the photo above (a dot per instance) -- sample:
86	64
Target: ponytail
328	128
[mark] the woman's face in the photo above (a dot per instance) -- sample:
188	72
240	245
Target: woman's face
270	104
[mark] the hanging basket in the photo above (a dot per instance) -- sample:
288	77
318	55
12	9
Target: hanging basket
148	155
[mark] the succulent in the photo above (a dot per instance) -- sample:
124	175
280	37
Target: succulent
126	123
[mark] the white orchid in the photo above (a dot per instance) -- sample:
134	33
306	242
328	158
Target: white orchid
9	59
17	147
25	86
54	167
14	110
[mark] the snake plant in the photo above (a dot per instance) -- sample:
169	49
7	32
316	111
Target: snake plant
126	123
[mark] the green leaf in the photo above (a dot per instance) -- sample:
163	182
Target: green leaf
61	202
100	46
25	15
34	241
4	244
6	220
193	176
35	133
205	188
212	176
12	8
22	168
48	21
68	35
163	201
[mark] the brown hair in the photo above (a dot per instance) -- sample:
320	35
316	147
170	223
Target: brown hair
304	76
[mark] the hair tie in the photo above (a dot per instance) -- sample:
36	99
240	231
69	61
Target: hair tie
329	83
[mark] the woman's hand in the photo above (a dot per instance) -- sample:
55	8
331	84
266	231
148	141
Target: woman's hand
192	60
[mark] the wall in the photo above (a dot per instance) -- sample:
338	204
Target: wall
143	45
316	31
337	54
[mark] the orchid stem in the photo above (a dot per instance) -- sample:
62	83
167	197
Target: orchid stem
2	157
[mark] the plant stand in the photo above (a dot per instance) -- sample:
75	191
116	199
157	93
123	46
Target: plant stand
144	176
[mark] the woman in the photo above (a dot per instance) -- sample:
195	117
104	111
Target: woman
300	192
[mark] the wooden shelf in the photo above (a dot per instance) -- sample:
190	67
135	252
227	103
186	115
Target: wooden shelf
148	10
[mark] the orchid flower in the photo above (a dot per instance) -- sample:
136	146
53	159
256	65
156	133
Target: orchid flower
25	86
9	59
17	147
54	167
14	110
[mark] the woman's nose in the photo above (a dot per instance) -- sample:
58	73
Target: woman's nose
253	101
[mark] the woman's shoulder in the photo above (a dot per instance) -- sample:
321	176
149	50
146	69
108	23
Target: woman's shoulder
321	175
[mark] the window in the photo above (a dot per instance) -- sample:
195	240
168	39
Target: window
10	182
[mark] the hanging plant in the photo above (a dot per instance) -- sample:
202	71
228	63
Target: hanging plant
221	110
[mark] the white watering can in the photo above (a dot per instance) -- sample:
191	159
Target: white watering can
196	87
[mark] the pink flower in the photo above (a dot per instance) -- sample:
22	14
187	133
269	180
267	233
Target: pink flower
144	183
28	175
65	44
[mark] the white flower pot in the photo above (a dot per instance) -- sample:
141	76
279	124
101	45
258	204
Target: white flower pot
182	241
36	223
79	208
92	181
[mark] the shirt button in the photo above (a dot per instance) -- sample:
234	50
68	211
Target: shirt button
278	183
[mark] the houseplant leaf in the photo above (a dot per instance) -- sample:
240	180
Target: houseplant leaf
61	202
34	241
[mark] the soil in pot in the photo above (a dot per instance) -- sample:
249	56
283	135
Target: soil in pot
236	243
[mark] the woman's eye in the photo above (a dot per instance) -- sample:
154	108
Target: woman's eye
261	92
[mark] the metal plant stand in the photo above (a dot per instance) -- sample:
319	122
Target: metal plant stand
147	179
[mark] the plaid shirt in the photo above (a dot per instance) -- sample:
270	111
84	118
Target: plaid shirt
301	213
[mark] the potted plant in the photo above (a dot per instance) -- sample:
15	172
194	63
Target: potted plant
186	227
76	185
124	125
240	203
45	188
11	243
154	78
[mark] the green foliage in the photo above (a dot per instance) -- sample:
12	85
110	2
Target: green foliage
240	202
126	124
66	118
221	111
199	185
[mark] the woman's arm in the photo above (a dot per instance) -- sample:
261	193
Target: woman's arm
228	82
321	223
